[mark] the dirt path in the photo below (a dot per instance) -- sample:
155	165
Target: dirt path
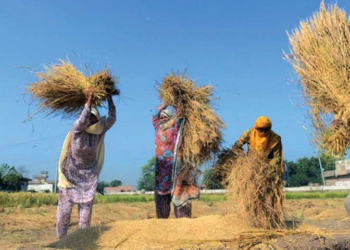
121	226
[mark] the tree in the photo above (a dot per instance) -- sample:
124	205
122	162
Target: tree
298	172
115	183
307	170
101	185
10	178
328	162
147	179
210	181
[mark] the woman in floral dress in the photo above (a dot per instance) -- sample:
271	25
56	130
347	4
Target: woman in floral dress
167	128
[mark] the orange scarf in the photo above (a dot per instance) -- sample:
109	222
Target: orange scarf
262	142
259	141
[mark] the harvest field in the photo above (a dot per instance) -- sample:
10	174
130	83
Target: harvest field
315	221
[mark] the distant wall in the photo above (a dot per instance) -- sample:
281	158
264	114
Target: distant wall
40	187
338	180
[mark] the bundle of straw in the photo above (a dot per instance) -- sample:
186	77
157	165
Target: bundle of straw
223	165
255	191
202	128
321	57
63	87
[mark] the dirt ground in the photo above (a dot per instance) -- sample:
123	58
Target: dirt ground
313	224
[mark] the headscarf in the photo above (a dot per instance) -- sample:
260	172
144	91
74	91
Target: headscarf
263	122
260	140
95	129
98	127
169	114
95	112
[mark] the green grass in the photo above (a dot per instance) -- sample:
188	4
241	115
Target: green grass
213	197
115	198
316	195
26	200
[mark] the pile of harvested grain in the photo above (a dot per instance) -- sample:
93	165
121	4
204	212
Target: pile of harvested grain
63	87
321	57
208	232
202	128
255	191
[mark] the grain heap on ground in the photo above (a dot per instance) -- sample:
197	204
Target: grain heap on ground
207	232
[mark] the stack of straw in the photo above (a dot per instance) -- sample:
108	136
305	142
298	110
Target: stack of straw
255	191
202	128
321	57
62	88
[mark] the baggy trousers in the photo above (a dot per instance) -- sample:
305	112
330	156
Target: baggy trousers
64	211
163	207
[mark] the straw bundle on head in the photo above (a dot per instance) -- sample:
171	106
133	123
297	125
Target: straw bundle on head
63	87
255	191
321	57
202	128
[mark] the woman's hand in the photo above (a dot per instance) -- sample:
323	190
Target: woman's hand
110	101
161	107
90	95
90	92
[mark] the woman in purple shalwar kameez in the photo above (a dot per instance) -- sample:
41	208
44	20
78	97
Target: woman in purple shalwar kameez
80	164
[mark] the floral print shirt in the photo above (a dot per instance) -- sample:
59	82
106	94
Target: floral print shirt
165	143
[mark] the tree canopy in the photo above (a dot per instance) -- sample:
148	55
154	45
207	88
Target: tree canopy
146	181
10	178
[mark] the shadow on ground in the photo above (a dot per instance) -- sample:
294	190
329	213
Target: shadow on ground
80	239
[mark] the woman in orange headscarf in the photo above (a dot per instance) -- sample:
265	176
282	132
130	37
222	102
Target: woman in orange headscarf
262	139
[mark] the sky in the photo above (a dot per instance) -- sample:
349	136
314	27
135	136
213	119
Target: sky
236	46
